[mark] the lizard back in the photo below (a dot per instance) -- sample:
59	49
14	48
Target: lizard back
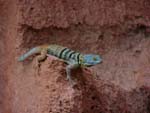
64	53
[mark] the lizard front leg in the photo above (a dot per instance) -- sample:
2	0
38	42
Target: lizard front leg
68	70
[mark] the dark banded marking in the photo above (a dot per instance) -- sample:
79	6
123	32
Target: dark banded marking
65	53
60	55
75	56
71	54
78	58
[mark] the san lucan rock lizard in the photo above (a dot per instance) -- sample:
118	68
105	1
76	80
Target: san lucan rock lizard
72	58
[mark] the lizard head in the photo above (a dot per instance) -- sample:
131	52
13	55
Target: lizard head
90	60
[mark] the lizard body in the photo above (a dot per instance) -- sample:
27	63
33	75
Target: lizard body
72	58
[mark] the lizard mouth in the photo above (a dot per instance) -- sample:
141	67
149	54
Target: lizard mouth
88	65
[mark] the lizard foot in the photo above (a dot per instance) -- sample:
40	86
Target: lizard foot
73	83
36	66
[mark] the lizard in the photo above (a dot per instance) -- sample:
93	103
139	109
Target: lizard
72	58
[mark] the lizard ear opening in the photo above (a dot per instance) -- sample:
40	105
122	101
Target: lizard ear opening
81	60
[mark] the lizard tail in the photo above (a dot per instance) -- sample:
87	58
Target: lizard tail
29	53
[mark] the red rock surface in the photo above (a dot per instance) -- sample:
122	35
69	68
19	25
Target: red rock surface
117	30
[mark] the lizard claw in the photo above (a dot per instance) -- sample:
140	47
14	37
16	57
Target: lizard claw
73	83
67	78
36	66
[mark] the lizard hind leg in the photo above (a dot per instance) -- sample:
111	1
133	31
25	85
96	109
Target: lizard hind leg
39	58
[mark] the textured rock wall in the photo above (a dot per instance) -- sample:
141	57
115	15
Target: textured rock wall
117	30
64	13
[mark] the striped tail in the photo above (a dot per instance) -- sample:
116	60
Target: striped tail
29	53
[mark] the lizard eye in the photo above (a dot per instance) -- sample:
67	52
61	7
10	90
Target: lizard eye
95	59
